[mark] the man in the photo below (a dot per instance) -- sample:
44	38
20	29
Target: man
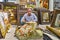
29	16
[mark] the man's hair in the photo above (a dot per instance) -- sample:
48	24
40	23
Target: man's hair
29	8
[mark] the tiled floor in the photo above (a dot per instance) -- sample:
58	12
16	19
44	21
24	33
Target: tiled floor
10	35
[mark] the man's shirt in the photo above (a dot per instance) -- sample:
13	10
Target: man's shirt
32	17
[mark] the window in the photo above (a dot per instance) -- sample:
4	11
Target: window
11	0
1	0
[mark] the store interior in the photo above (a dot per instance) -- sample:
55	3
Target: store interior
47	26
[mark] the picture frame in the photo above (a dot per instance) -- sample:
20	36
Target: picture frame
42	11
56	19
45	17
12	9
44	3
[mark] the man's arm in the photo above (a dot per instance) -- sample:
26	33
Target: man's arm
23	19
35	18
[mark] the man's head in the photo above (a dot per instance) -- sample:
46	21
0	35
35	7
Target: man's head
29	10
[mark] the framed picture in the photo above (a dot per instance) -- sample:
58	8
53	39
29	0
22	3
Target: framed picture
56	4
57	22
44	3
56	19
44	15
45	18
12	10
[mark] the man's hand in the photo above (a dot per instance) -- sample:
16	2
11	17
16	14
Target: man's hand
24	21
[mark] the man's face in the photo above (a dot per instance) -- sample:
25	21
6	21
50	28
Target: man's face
29	12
